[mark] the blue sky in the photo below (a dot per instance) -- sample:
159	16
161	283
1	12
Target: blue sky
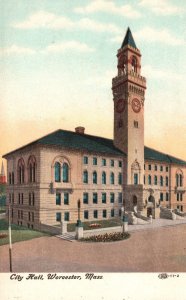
57	60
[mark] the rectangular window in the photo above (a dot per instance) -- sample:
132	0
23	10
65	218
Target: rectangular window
155	180
86	214
120	164
167	169
161	196
103	162
167	180
119	197
66	216
104	197
29	214
12	198
135	124
21	214
144	179
112	163
181	207
22	198
58	199
95	161
161	180
149	167
112	213
95	198
119	212
66	198
33	199
32	216
135	178
155	168
95	214
181	197
29	198
19	198
177	197
144	166
58	217
104	213
167	196
85	198
161	168
85	160
111	197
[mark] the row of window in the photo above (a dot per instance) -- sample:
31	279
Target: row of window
161	168
20	215
155	180
103	177
31	170
31	199
64	198
179	197
96	214
104	161
61	172
164	196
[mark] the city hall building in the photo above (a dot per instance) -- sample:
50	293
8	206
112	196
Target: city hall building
47	177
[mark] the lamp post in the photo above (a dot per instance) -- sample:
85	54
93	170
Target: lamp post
122	216
10	238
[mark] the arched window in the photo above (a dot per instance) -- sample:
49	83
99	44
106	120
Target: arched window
32	169
57	172
149	179
181	180
120	178
85	177
155	180
65	172
134	64
12	177
111	178
94	177
103	178
21	171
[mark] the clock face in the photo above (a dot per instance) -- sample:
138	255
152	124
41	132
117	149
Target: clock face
120	105
136	105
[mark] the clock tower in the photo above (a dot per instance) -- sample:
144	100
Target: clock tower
128	95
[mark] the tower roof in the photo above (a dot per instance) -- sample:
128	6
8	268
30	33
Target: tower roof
2	170
128	39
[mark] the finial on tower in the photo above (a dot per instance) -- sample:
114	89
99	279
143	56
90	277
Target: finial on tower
128	39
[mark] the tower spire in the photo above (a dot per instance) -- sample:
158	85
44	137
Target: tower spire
128	39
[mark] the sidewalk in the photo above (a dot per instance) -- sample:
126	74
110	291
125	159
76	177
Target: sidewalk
156	223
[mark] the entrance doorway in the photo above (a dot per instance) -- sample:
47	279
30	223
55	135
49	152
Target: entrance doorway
149	211
135	200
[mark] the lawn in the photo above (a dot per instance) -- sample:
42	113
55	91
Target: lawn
104	224
19	233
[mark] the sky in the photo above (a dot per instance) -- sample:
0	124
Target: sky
58	58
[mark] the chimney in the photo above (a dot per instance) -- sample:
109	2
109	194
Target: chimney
80	129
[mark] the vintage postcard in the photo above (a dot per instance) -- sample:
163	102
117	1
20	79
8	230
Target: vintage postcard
92	149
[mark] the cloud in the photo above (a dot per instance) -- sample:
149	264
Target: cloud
69	45
161	7
151	72
109	7
163	36
14	49
47	20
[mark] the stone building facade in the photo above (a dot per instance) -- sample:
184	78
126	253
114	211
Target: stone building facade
47	177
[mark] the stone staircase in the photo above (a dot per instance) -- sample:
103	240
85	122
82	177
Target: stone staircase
70	237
